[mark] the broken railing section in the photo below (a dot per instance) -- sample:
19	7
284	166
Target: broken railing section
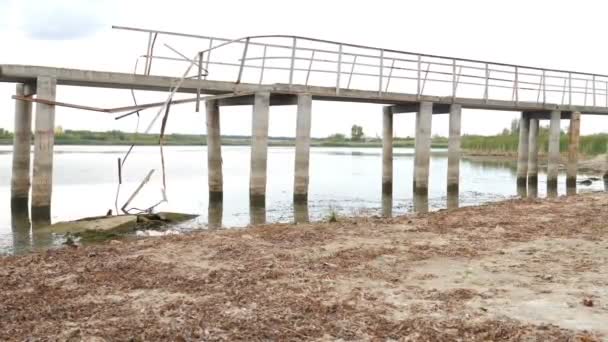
137	190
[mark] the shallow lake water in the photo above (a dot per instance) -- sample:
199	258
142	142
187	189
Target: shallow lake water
342	180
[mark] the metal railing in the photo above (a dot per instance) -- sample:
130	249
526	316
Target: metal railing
295	60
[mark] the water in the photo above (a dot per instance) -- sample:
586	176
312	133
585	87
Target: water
342	180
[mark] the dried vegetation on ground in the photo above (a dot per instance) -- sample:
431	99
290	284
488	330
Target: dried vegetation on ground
517	270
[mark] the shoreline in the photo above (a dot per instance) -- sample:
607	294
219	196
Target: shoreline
510	270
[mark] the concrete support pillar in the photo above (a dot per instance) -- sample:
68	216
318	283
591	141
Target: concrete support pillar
387	151
301	173
421	203
454	149
554	156
533	153
214	214
259	150
387	205
20	182
424	119
300	212
214	152
573	143
522	150
44	139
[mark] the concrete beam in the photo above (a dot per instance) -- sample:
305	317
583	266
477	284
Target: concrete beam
22	139
387	150
301	173
546	115
259	150
554	155
522	150
248	99
214	152
454	149
44	140
438	108
533	153
573	145
422	148
90	78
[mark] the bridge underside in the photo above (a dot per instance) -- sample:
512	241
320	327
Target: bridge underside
101	79
42	81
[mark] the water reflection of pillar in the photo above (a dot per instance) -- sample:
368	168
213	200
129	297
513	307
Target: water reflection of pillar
215	212
552	189
257	214
421	203
21	228
453	200
41	238
387	205
532	189
300	212
522	190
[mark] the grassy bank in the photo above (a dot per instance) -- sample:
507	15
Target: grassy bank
589	145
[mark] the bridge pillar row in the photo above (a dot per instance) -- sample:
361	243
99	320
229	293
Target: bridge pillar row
424	118
301	173
573	146
533	153
387	150
20	181
554	155
259	149
214	152
522	150
44	140
454	149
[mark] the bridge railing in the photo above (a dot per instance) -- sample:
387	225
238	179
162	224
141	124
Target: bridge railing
294	60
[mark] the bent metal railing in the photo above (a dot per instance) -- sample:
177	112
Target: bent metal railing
294	60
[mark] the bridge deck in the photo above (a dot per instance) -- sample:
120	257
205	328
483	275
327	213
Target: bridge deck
116	80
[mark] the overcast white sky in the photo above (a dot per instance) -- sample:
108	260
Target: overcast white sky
77	34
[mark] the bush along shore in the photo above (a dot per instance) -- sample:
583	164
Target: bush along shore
504	144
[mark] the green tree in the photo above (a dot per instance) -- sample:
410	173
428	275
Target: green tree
356	133
514	126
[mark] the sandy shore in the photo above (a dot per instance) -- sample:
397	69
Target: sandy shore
518	270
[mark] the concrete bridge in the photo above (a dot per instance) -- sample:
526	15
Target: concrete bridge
264	71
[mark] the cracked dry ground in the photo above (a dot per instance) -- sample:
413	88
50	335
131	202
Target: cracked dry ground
518	270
